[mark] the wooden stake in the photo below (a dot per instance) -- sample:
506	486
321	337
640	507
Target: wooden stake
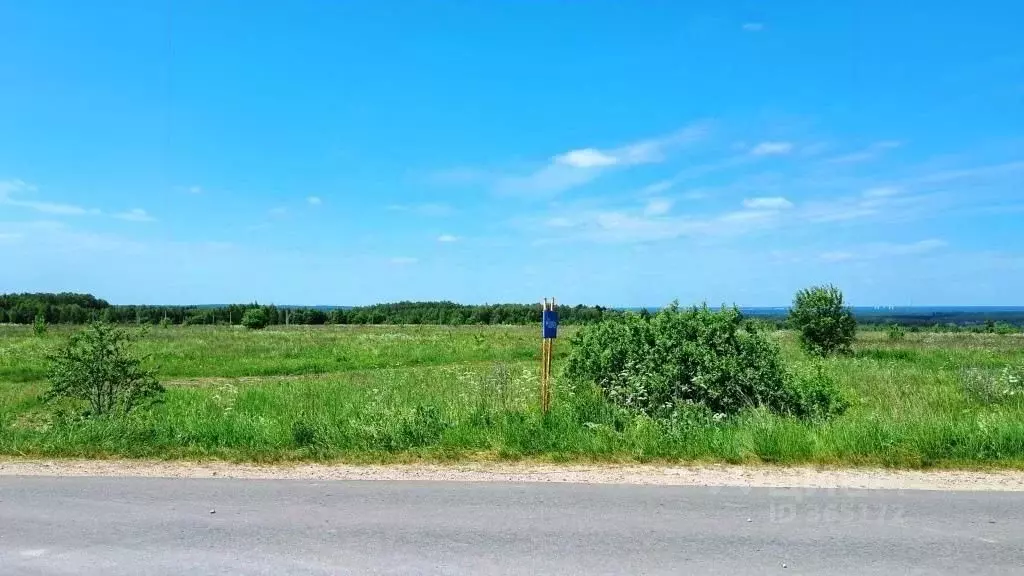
546	354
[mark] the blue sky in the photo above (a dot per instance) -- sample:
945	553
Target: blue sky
600	152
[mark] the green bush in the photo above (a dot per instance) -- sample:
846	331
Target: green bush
97	366
895	333
39	325
681	358
814	394
255	319
826	325
165	322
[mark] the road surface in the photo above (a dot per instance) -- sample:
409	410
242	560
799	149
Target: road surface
134	526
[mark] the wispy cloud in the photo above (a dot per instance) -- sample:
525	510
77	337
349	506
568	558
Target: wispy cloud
883	250
653	223
657	207
314	201
58	237
772	148
587	158
429	209
402	260
278	211
12	193
753	26
582	165
135	215
870	153
657	187
447	238
767	203
195	189
881	192
946	176
559	222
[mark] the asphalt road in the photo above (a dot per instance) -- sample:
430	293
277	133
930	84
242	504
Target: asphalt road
168	526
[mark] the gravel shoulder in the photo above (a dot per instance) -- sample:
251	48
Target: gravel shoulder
697	475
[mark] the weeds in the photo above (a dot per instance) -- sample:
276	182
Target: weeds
989	386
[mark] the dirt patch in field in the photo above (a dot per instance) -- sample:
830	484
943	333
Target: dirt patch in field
707	475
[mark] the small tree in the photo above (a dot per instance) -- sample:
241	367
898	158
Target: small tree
39	326
826	325
99	366
254	319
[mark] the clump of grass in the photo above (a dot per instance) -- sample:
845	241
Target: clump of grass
989	386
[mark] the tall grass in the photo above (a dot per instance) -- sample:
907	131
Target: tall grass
470	393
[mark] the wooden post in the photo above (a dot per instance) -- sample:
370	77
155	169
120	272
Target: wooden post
543	360
546	353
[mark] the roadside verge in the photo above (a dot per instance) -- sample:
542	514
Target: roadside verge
696	475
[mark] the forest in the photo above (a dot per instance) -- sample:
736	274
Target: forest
70	308
73	308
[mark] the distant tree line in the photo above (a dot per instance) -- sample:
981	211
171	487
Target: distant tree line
81	308
70	308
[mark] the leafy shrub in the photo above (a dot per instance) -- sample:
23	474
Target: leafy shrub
165	322
39	325
98	366
826	325
994	386
814	394
680	358
255	319
895	333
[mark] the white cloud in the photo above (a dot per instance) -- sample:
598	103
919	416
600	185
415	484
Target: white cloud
657	207
881	192
11	188
753	26
447	238
772	148
403	260
586	158
580	166
314	201
135	215
195	189
767	203
279	211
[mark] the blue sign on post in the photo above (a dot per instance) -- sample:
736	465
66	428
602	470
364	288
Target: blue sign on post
550	322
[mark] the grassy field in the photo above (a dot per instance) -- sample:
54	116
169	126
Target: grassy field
408	393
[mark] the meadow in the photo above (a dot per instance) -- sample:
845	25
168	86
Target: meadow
408	393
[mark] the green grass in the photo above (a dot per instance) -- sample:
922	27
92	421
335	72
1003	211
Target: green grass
436	393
